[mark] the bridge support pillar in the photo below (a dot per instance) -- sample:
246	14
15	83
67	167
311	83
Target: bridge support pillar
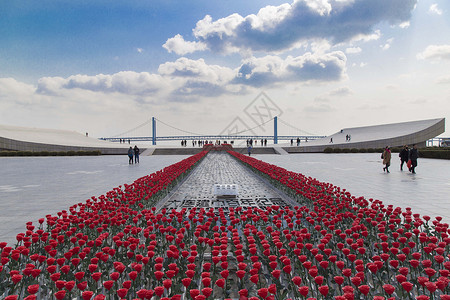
275	130
153	131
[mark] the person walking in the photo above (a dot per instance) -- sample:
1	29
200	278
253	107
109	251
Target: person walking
413	156
136	154
130	156
386	156
249	149
404	153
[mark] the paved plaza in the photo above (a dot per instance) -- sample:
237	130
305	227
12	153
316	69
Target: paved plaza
220	168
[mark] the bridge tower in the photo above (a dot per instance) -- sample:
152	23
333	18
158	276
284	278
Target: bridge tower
275	130
153	131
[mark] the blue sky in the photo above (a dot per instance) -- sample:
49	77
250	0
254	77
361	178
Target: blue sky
104	67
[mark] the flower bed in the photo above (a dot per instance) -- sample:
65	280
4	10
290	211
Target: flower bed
358	248
331	246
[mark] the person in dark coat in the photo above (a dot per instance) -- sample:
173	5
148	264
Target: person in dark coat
413	156
386	156
404	153
130	155
136	154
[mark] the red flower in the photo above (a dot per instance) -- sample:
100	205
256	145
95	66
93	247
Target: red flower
60	294
254	278
323	290
263	292
186	281
119	267
194	293
16	278
87	295
69	285
243	293
240	274
276	273
356	281
364	289
191	273
82	285
79	275
272	288
159	275
430	272
407	286
431	286
297	280
96	276
33	289
114	276
122	292
389	289
142	293
207	291
167	283
108	284
303	290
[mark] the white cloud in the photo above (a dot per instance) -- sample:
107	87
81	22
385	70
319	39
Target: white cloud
126	82
404	25
184	67
178	45
343	91
319	108
435	52
434	9
280	28
387	45
196	78
272	70
353	50
12	86
139	50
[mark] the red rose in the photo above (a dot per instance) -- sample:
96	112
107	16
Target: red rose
389	289
364	289
87	295
33	289
263	292
303	290
122	292
323	290
60	294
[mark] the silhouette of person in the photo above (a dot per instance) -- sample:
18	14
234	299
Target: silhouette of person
136	154
130	155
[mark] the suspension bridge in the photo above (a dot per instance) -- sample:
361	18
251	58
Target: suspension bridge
232	133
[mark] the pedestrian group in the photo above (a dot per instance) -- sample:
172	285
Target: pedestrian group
133	153
408	156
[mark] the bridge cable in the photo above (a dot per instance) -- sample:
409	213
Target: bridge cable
293	127
255	126
185	131
130	130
